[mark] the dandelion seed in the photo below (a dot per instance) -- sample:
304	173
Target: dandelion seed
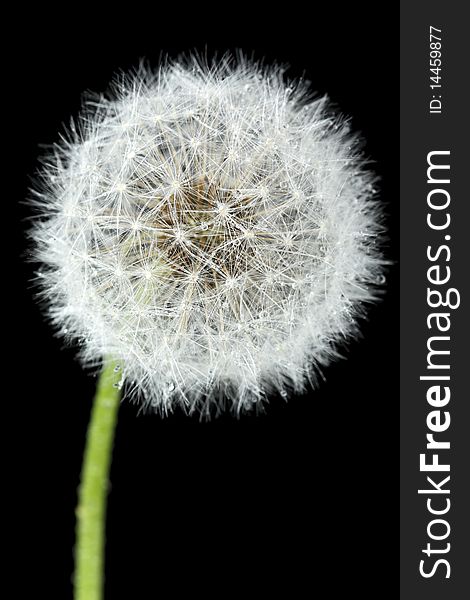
231	257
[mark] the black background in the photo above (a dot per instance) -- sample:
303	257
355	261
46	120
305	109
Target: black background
301	497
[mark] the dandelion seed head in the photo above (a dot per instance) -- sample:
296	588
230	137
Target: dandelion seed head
212	229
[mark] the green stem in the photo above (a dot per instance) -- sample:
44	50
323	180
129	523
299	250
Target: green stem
91	510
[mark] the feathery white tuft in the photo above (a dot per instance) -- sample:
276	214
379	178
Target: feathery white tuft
213	229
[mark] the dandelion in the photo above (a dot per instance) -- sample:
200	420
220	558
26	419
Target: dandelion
212	231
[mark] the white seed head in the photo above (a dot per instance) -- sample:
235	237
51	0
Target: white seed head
211	228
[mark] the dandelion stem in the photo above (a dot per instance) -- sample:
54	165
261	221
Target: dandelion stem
91	510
